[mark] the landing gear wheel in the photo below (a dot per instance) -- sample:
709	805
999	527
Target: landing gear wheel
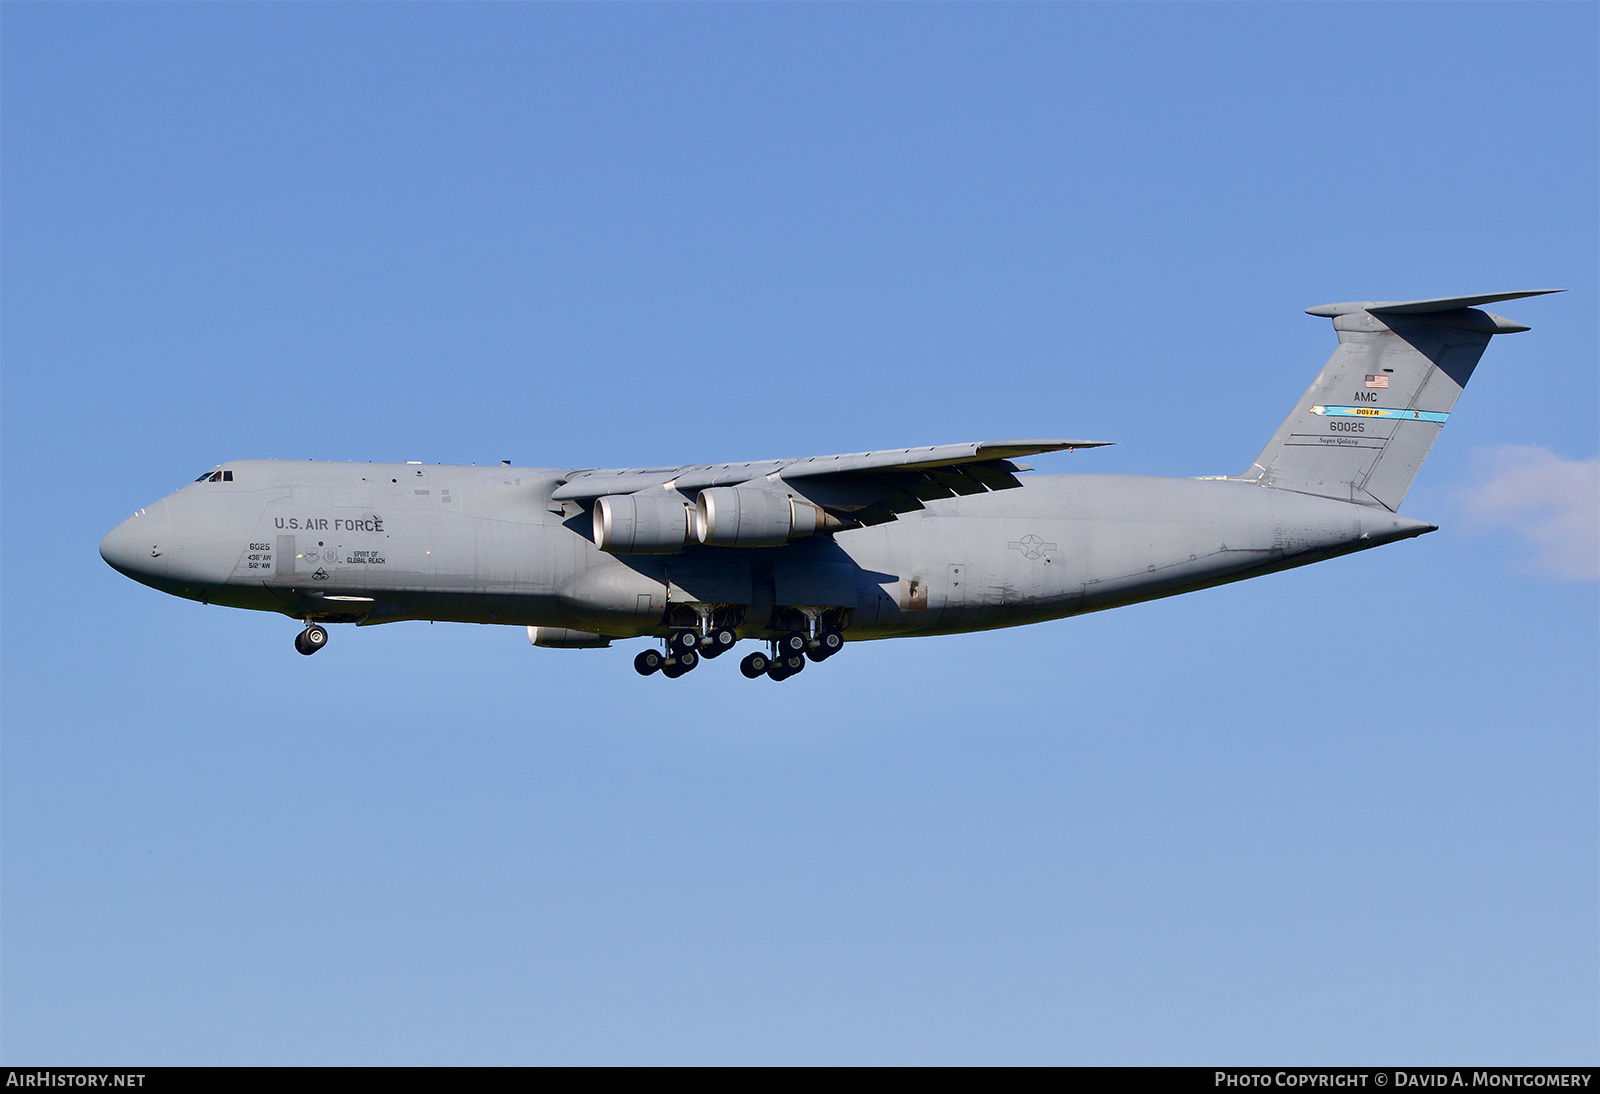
829	642
793	642
754	665
787	665
648	662
721	641
310	640
680	663
683	641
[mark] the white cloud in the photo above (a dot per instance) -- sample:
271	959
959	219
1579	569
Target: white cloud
1552	503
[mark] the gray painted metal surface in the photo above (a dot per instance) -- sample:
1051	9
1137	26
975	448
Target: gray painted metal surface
870	545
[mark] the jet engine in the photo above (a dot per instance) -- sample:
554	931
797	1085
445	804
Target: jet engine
640	524
743	516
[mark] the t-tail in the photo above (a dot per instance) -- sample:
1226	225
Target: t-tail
1363	428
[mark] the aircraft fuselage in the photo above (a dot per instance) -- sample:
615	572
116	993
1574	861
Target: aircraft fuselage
374	543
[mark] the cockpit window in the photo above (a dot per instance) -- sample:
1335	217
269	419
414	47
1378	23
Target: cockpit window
216	476
205	477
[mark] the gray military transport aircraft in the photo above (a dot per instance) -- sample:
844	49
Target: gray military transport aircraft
806	554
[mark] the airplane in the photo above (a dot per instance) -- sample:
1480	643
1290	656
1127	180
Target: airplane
804	555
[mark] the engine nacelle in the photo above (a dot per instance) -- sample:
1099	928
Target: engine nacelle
560	638
744	516
641	524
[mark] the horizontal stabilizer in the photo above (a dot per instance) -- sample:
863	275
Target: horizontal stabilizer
1421	307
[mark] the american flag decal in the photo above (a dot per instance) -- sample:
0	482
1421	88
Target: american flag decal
1377	381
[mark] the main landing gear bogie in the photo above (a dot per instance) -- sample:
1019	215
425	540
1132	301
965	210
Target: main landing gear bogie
312	639
671	665
680	664
827	643
714	643
785	665
788	656
718	642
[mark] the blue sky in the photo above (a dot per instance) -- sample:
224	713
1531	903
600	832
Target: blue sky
1345	814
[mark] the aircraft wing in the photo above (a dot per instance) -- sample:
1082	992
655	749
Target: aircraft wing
865	487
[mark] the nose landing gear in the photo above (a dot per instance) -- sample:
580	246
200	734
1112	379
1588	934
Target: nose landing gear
310	640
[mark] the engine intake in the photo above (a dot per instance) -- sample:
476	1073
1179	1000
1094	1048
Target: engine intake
742	516
638	524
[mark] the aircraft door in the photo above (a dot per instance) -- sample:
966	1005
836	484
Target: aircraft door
961	606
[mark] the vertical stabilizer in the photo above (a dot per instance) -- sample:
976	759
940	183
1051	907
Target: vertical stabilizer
1363	428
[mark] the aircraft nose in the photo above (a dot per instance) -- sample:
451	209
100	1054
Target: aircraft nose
137	547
